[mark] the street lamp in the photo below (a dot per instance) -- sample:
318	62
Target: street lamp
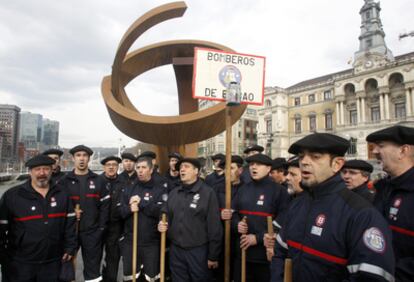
233	94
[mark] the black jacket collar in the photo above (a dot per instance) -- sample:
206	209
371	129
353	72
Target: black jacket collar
330	186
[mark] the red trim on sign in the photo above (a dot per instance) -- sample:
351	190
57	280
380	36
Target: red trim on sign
92	195
255	213
317	253
75	197
402	230
31	217
53	215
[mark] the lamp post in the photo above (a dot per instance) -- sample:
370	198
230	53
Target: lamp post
233	95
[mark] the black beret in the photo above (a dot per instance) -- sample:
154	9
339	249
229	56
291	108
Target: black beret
321	142
218	156
278	163
193	161
128	156
234	159
397	133
253	148
175	155
39	160
359	164
53	152
260	158
293	161
111	158
148	154
81	148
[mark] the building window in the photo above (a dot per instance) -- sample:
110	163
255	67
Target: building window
353	117
368	14
297	101
327	95
400	110
353	146
312	123
268	103
268	126
328	121
311	98
375	114
369	43
298	125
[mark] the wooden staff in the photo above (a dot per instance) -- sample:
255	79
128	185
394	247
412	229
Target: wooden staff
269	253
288	270
227	240
162	255
243	266
134	247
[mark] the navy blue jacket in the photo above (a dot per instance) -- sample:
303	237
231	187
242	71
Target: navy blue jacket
153	196
128	181
364	192
213	178
395	200
94	201
256	200
332	234
34	229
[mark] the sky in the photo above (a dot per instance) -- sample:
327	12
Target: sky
54	54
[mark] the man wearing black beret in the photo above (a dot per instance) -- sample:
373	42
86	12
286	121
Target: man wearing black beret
114	185
278	171
194	226
256	200
173	175
329	232
37	226
218	173
55	154
356	174
394	148
128	176
88	191
250	151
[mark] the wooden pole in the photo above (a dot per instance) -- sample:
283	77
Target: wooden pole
288	270
243	262
271	233
134	247
227	223
162	254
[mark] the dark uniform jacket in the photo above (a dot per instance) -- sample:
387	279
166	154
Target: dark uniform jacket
128	181
115	187
395	200
256	200
57	176
364	192
94	200
213	178
34	229
153	197
220	189
194	218
332	234
174	181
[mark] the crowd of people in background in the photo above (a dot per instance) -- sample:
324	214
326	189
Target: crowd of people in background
328	217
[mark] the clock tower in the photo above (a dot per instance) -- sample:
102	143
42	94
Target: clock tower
373	51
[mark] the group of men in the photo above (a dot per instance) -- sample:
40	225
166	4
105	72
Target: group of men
326	216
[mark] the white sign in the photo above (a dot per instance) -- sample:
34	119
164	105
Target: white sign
214	70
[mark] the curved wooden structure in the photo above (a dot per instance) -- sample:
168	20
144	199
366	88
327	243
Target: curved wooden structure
171	131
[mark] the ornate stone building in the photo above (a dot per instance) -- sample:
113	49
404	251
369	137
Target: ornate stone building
375	93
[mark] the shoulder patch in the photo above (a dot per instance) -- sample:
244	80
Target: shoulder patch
374	240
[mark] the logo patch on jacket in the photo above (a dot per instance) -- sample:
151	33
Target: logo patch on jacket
91	185
147	196
195	201
260	201
53	202
319	222
374	240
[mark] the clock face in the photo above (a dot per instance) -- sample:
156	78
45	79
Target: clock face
368	64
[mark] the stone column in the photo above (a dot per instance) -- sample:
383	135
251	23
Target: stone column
363	109
387	106
381	100
408	105
342	113
358	108
338	116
